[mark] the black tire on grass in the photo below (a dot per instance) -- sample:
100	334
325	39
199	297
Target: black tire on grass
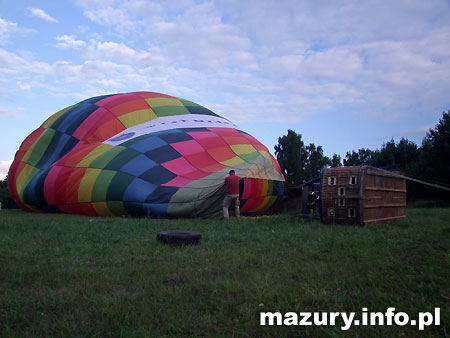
179	237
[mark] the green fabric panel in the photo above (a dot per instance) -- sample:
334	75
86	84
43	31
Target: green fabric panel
181	209
33	173
250	157
170	110
204	207
118	185
134	208
117	208
270	189
62	117
101	185
135	140
209	206
103	160
121	159
50	149
40	147
195	108
188	103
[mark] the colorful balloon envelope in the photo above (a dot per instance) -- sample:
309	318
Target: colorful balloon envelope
141	154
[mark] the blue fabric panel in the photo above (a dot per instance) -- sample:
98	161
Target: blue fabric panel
163	154
95	99
175	135
138	191
34	191
148	144
158	175
138	165
155	210
76	117
60	145
161	195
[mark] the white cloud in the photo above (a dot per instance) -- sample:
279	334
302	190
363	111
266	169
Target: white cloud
9	28
6	29
70	41
7	112
37	12
4	168
25	87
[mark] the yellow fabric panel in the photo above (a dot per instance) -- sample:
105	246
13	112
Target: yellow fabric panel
117	208
102	208
94	154
137	117
42	143
163	101
266	155
256	172
268	202
265	188
26	174
232	162
242	149
87	184
52	118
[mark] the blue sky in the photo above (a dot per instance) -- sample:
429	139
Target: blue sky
344	74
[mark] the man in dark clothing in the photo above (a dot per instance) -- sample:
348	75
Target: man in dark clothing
232	196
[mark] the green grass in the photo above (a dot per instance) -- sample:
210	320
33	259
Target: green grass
76	276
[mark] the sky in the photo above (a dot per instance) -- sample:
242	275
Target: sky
344	74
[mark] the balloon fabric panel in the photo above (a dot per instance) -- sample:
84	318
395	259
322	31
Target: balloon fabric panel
141	154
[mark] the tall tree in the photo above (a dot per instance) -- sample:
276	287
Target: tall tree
361	157
297	161
316	161
336	161
436	151
292	156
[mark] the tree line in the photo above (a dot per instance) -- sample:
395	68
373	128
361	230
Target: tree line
430	161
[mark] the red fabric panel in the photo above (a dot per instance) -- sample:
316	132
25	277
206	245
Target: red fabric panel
28	142
200	160
90	125
106	131
59	186
234	140
147	95
255	143
129	106
72	158
87	209
260	184
196	175
210	142
73	183
214	168
187	147
14	171
222	154
49	184
179	166
247	188
252	204
114	100
225	131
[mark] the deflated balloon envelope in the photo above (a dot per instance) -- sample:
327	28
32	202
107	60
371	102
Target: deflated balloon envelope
140	154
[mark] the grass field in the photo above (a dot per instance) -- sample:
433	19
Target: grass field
76	276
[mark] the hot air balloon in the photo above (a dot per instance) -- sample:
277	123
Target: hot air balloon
141	154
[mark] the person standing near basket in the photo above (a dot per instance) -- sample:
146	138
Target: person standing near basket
232	196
